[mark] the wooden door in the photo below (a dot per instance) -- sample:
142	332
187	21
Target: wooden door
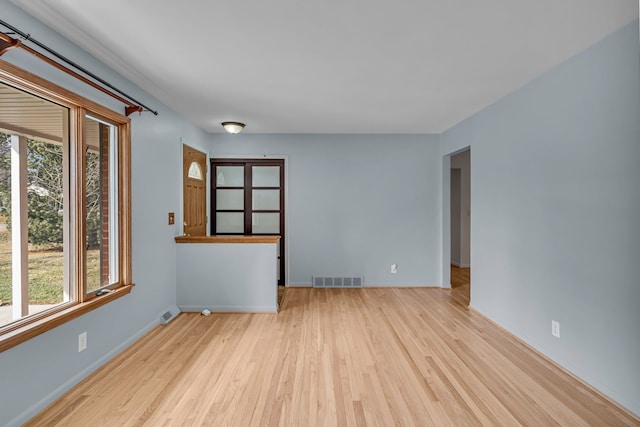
194	174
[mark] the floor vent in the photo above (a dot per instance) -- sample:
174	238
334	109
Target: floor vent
337	282
169	314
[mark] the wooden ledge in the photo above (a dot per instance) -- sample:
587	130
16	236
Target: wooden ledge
227	239
42	322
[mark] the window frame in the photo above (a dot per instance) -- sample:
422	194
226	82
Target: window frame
31	326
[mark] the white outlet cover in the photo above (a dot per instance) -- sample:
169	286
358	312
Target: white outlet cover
555	329
394	268
82	342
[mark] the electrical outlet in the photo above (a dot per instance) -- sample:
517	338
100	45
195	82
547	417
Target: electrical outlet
394	268
82	342
555	329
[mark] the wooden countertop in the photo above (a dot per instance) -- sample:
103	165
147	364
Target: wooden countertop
227	239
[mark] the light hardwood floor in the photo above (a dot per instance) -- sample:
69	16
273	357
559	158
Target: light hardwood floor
373	356
461	284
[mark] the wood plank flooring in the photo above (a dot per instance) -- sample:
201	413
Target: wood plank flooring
343	357
461	284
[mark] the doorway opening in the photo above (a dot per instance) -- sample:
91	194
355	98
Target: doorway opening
460	220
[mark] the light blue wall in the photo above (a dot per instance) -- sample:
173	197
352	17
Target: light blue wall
38	371
554	218
555	208
230	277
357	204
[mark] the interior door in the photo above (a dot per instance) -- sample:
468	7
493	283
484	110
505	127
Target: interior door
247	197
194	173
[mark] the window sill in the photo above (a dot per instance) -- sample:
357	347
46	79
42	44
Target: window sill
50	319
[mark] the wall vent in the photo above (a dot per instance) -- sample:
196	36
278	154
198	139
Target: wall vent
337	282
169	314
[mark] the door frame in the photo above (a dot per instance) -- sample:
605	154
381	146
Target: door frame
446	217
285	159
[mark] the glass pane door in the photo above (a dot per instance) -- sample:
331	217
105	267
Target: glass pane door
248	198
265	199
229	200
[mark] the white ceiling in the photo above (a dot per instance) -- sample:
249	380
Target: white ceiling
332	66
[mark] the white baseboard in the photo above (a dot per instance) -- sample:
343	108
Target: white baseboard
230	308
37	407
401	285
367	285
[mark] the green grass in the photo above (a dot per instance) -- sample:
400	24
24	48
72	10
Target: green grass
45	269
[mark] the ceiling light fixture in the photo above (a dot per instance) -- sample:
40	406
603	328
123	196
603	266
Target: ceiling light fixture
233	127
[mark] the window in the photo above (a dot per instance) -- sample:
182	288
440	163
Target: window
248	198
194	171
64	206
101	203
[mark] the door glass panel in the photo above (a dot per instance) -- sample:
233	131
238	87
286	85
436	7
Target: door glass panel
265	223
194	171
229	200
230	222
266	200
266	176
230	176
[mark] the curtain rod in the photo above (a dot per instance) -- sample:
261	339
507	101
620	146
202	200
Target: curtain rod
8	43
